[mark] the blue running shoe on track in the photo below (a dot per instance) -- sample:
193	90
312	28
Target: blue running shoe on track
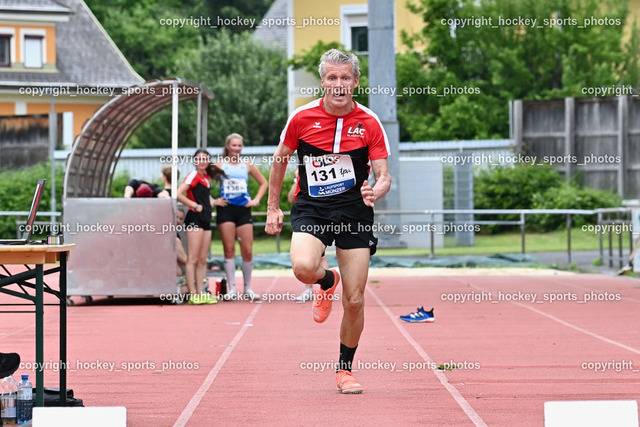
419	316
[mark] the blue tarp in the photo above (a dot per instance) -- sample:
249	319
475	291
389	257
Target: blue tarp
283	260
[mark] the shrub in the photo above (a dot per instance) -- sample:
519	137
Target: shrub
17	186
535	187
506	187
569	196
16	193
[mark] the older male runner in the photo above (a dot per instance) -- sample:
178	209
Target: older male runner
338	141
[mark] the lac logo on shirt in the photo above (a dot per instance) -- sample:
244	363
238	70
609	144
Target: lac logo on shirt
358	131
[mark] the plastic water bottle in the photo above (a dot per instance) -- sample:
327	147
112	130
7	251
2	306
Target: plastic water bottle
9	394
24	404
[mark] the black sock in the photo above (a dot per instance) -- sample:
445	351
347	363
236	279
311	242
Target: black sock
346	357
327	281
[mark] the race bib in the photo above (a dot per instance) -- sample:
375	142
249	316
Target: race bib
329	174
234	186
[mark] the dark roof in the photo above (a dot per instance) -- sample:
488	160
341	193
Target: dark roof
274	33
85	54
32	6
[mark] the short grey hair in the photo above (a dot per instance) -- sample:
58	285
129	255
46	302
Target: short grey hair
335	56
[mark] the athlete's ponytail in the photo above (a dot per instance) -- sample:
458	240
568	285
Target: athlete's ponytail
213	171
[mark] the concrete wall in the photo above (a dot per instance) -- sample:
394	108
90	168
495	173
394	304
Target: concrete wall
422	188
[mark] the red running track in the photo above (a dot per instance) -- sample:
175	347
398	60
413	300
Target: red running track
269	363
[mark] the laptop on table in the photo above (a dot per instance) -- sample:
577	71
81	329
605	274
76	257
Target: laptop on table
30	220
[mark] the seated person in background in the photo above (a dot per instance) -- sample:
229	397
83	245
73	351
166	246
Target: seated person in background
138	188
9	363
166	178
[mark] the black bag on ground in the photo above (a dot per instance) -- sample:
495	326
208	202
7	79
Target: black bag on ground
52	397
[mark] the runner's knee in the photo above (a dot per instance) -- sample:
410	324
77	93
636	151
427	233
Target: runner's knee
305	270
354	304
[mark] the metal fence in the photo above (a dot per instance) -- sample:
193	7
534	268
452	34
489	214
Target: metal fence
431	217
612	223
617	221
146	163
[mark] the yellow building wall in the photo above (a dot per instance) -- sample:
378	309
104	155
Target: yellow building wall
634	15
323	22
320	21
7	108
50	39
408	21
81	112
327	11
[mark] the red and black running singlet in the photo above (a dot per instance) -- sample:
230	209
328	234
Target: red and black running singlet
334	152
199	190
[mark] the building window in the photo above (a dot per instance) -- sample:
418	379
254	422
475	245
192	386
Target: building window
33	51
5	50
360	39
354	27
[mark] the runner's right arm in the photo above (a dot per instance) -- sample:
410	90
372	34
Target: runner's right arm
275	217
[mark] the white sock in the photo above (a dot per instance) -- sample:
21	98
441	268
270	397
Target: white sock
230	271
247	269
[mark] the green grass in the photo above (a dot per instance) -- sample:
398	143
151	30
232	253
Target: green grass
261	245
484	244
447	367
555	241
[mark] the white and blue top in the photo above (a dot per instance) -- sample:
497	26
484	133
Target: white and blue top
235	188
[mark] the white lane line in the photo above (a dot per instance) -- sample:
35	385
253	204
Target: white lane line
571	285
188	411
18	331
567	324
466	407
579	329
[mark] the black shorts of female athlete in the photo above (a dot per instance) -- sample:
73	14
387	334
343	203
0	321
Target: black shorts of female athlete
198	219
239	215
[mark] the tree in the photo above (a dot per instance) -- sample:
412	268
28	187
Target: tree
153	33
167	38
484	53
236	15
249	83
141	32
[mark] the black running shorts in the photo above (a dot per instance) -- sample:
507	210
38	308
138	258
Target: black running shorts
349	226
197	219
240	215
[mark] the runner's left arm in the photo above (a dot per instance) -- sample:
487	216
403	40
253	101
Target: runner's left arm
382	185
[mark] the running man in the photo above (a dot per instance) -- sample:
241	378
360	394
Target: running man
338	141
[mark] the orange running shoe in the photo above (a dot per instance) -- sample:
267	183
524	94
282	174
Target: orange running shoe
322	300
347	384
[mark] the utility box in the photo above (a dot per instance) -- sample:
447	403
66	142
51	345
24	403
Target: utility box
421	189
123	246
